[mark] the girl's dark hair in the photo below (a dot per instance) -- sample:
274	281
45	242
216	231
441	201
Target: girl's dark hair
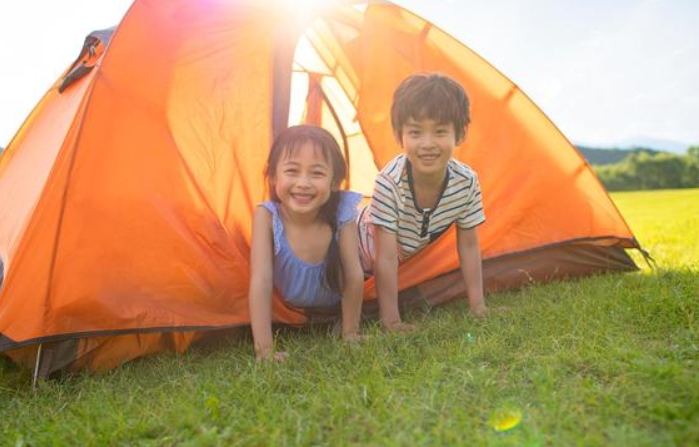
433	96
287	142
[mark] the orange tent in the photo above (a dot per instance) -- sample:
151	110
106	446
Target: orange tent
127	195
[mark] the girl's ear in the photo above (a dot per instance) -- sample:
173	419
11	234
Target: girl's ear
271	186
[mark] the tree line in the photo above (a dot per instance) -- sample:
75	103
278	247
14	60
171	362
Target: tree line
651	170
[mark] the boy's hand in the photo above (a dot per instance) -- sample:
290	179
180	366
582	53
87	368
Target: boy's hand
399	326
276	356
479	310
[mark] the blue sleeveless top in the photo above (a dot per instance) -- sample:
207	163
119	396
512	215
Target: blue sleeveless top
300	283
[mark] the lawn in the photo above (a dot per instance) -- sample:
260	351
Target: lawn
608	360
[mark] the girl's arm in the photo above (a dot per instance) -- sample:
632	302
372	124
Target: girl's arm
260	298
471	269
353	281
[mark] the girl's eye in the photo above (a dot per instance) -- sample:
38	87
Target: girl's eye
318	174
290	171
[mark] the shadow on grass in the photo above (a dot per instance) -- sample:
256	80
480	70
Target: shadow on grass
668	297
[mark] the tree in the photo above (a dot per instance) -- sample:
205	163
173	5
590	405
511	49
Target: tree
661	171
690	177
652	171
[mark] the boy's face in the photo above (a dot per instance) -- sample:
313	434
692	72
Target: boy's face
428	145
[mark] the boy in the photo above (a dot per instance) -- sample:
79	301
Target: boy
420	193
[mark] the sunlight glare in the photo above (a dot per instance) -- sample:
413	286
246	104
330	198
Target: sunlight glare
303	11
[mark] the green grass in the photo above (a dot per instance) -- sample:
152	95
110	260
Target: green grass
609	360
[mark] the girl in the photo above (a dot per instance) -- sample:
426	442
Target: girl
304	240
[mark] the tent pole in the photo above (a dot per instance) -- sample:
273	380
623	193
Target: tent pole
39	353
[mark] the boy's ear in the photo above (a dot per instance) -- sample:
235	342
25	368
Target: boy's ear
463	138
398	135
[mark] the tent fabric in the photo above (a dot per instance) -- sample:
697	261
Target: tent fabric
127	197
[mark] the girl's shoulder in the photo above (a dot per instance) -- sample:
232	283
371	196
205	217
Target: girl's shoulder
275	222
348	207
270	206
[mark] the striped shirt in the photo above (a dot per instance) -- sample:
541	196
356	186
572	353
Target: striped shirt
394	209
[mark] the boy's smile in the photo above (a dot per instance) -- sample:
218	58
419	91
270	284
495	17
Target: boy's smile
429	145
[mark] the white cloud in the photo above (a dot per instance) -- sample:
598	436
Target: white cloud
601	70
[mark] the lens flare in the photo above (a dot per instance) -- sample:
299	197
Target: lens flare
504	419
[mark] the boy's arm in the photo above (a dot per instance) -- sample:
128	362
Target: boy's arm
386	275
260	294
353	281
471	268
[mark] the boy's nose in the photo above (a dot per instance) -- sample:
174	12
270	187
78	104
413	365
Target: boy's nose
427	141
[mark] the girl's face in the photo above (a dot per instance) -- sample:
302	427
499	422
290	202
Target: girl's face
303	180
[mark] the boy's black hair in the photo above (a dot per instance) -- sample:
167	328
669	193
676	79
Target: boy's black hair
430	95
290	140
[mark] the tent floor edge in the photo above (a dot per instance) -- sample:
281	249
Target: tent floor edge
514	271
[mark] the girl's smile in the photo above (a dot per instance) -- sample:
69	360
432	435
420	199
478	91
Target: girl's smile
303	180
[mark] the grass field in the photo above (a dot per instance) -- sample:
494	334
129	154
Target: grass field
609	360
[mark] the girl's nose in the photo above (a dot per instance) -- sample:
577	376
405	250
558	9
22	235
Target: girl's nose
304	181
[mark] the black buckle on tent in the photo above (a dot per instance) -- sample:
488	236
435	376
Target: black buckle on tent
88	57
75	74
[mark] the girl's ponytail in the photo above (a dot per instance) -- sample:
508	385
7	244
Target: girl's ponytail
332	279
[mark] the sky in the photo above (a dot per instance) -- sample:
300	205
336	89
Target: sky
607	73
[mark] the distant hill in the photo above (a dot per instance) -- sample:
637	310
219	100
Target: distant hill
597	156
676	147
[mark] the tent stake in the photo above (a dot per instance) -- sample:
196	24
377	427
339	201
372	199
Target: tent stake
36	367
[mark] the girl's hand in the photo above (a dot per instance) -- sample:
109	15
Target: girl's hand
276	356
354	337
